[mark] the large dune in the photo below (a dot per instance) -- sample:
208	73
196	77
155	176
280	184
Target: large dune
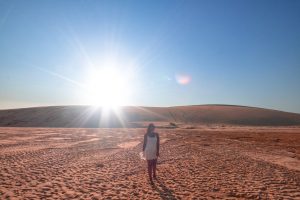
86	116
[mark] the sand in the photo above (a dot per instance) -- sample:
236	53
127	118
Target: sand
204	162
133	116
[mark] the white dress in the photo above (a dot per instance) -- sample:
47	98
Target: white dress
150	149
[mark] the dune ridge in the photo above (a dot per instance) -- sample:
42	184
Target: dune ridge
129	116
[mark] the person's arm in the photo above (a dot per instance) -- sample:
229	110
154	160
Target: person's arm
145	142
157	145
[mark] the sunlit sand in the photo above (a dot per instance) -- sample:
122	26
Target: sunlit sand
203	162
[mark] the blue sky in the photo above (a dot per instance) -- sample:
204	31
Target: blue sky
233	52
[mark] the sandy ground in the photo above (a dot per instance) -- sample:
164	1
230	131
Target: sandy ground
196	163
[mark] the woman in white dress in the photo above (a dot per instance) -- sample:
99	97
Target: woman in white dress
151	150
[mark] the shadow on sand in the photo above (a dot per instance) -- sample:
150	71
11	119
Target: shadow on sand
164	192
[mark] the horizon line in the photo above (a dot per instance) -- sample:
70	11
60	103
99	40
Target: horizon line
184	105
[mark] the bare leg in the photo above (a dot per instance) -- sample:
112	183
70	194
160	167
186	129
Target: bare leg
150	166
154	168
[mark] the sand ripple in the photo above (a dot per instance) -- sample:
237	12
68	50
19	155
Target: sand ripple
104	164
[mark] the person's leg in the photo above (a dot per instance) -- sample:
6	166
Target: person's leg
154	168
150	166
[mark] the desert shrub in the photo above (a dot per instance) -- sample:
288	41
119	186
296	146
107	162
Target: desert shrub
190	127
173	124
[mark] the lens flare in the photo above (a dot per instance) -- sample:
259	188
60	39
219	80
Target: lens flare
183	79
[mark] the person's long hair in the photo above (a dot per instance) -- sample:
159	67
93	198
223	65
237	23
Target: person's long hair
150	127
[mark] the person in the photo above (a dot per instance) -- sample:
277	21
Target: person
151	150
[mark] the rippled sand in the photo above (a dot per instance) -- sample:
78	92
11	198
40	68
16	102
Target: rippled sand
195	163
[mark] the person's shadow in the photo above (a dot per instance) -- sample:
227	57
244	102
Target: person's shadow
164	192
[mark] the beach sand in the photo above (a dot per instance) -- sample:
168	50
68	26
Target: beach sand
204	162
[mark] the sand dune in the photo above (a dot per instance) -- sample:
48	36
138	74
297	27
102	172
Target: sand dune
208	155
210	162
85	116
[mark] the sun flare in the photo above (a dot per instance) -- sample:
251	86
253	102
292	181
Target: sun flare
108	88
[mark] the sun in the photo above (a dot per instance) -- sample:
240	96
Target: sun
109	88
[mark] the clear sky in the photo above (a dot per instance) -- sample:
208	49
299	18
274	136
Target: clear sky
167	52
